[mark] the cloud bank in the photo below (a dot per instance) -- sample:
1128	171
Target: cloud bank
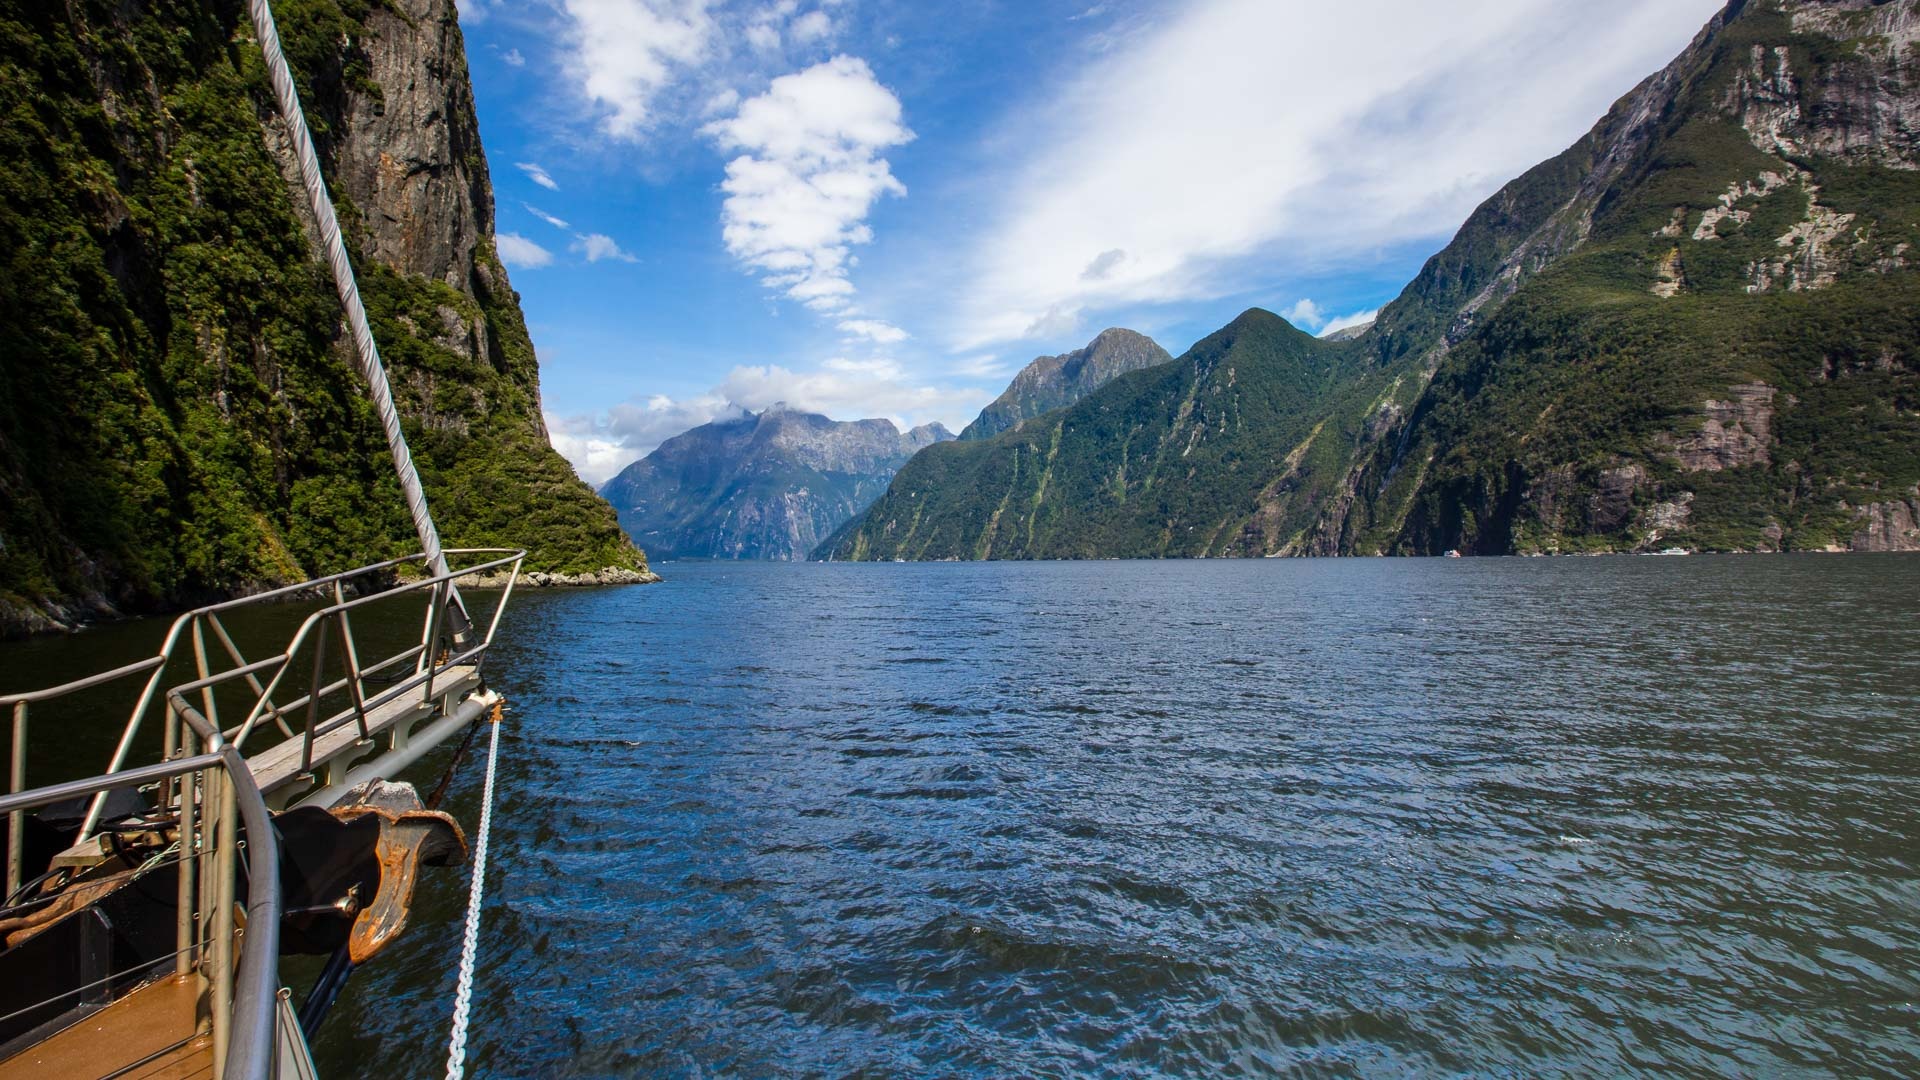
623	53
1246	129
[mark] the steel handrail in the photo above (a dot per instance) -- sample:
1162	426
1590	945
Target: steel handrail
285	658
249	1025
283	592
88	683
157	664
138	776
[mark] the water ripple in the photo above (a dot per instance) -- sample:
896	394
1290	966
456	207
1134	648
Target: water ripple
1489	817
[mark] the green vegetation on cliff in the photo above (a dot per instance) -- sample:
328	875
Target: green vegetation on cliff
1728	361
1157	463
178	415
1695	327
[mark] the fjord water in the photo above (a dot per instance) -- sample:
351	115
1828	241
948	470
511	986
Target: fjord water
1375	817
1363	816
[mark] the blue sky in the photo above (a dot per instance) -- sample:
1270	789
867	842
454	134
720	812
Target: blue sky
886	207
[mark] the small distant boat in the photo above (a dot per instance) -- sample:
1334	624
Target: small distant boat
1676	551
1453	553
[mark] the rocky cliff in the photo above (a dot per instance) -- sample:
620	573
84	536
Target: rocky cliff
1712	345
771	485
1054	382
180	417
1696	327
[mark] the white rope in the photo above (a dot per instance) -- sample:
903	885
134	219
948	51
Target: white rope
469	947
288	97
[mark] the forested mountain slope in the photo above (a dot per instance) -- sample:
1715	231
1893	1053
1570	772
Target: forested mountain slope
1054	382
179	414
1695	327
1727	359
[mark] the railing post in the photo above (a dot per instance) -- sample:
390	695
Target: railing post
226	847
17	820
200	665
433	642
189	849
346	637
313	697
354	691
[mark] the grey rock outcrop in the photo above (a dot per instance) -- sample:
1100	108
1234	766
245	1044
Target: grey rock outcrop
1054	382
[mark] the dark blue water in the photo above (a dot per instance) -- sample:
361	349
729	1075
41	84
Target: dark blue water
1380	817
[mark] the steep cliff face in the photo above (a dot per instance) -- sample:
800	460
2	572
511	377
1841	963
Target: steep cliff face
1726	358
765	486
1696	327
1054	382
181	419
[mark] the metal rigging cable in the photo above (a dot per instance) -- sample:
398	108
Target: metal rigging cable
287	96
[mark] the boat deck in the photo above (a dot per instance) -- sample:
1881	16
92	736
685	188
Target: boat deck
279	766
151	1034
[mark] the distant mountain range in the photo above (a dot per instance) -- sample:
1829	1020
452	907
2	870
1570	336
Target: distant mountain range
775	485
1698	327
770	485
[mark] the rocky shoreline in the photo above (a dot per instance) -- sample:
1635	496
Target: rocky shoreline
540	579
21	620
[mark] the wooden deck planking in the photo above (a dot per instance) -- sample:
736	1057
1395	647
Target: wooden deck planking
149	1034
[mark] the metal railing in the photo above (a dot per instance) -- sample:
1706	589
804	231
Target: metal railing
204	778
197	626
243	994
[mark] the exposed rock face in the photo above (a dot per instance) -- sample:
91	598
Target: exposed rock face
766	486
199	429
1889	526
1612	502
1737	230
1861	111
413	162
1732	433
1054	382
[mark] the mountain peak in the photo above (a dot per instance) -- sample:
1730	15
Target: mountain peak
1053	382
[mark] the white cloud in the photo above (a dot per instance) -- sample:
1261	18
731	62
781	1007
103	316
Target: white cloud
811	27
520	253
799	194
1342	322
1305	314
851	389
881	333
626	52
599	446
1238	133
1313	318
537	174
763	36
982	367
597	246
546	217
514	58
